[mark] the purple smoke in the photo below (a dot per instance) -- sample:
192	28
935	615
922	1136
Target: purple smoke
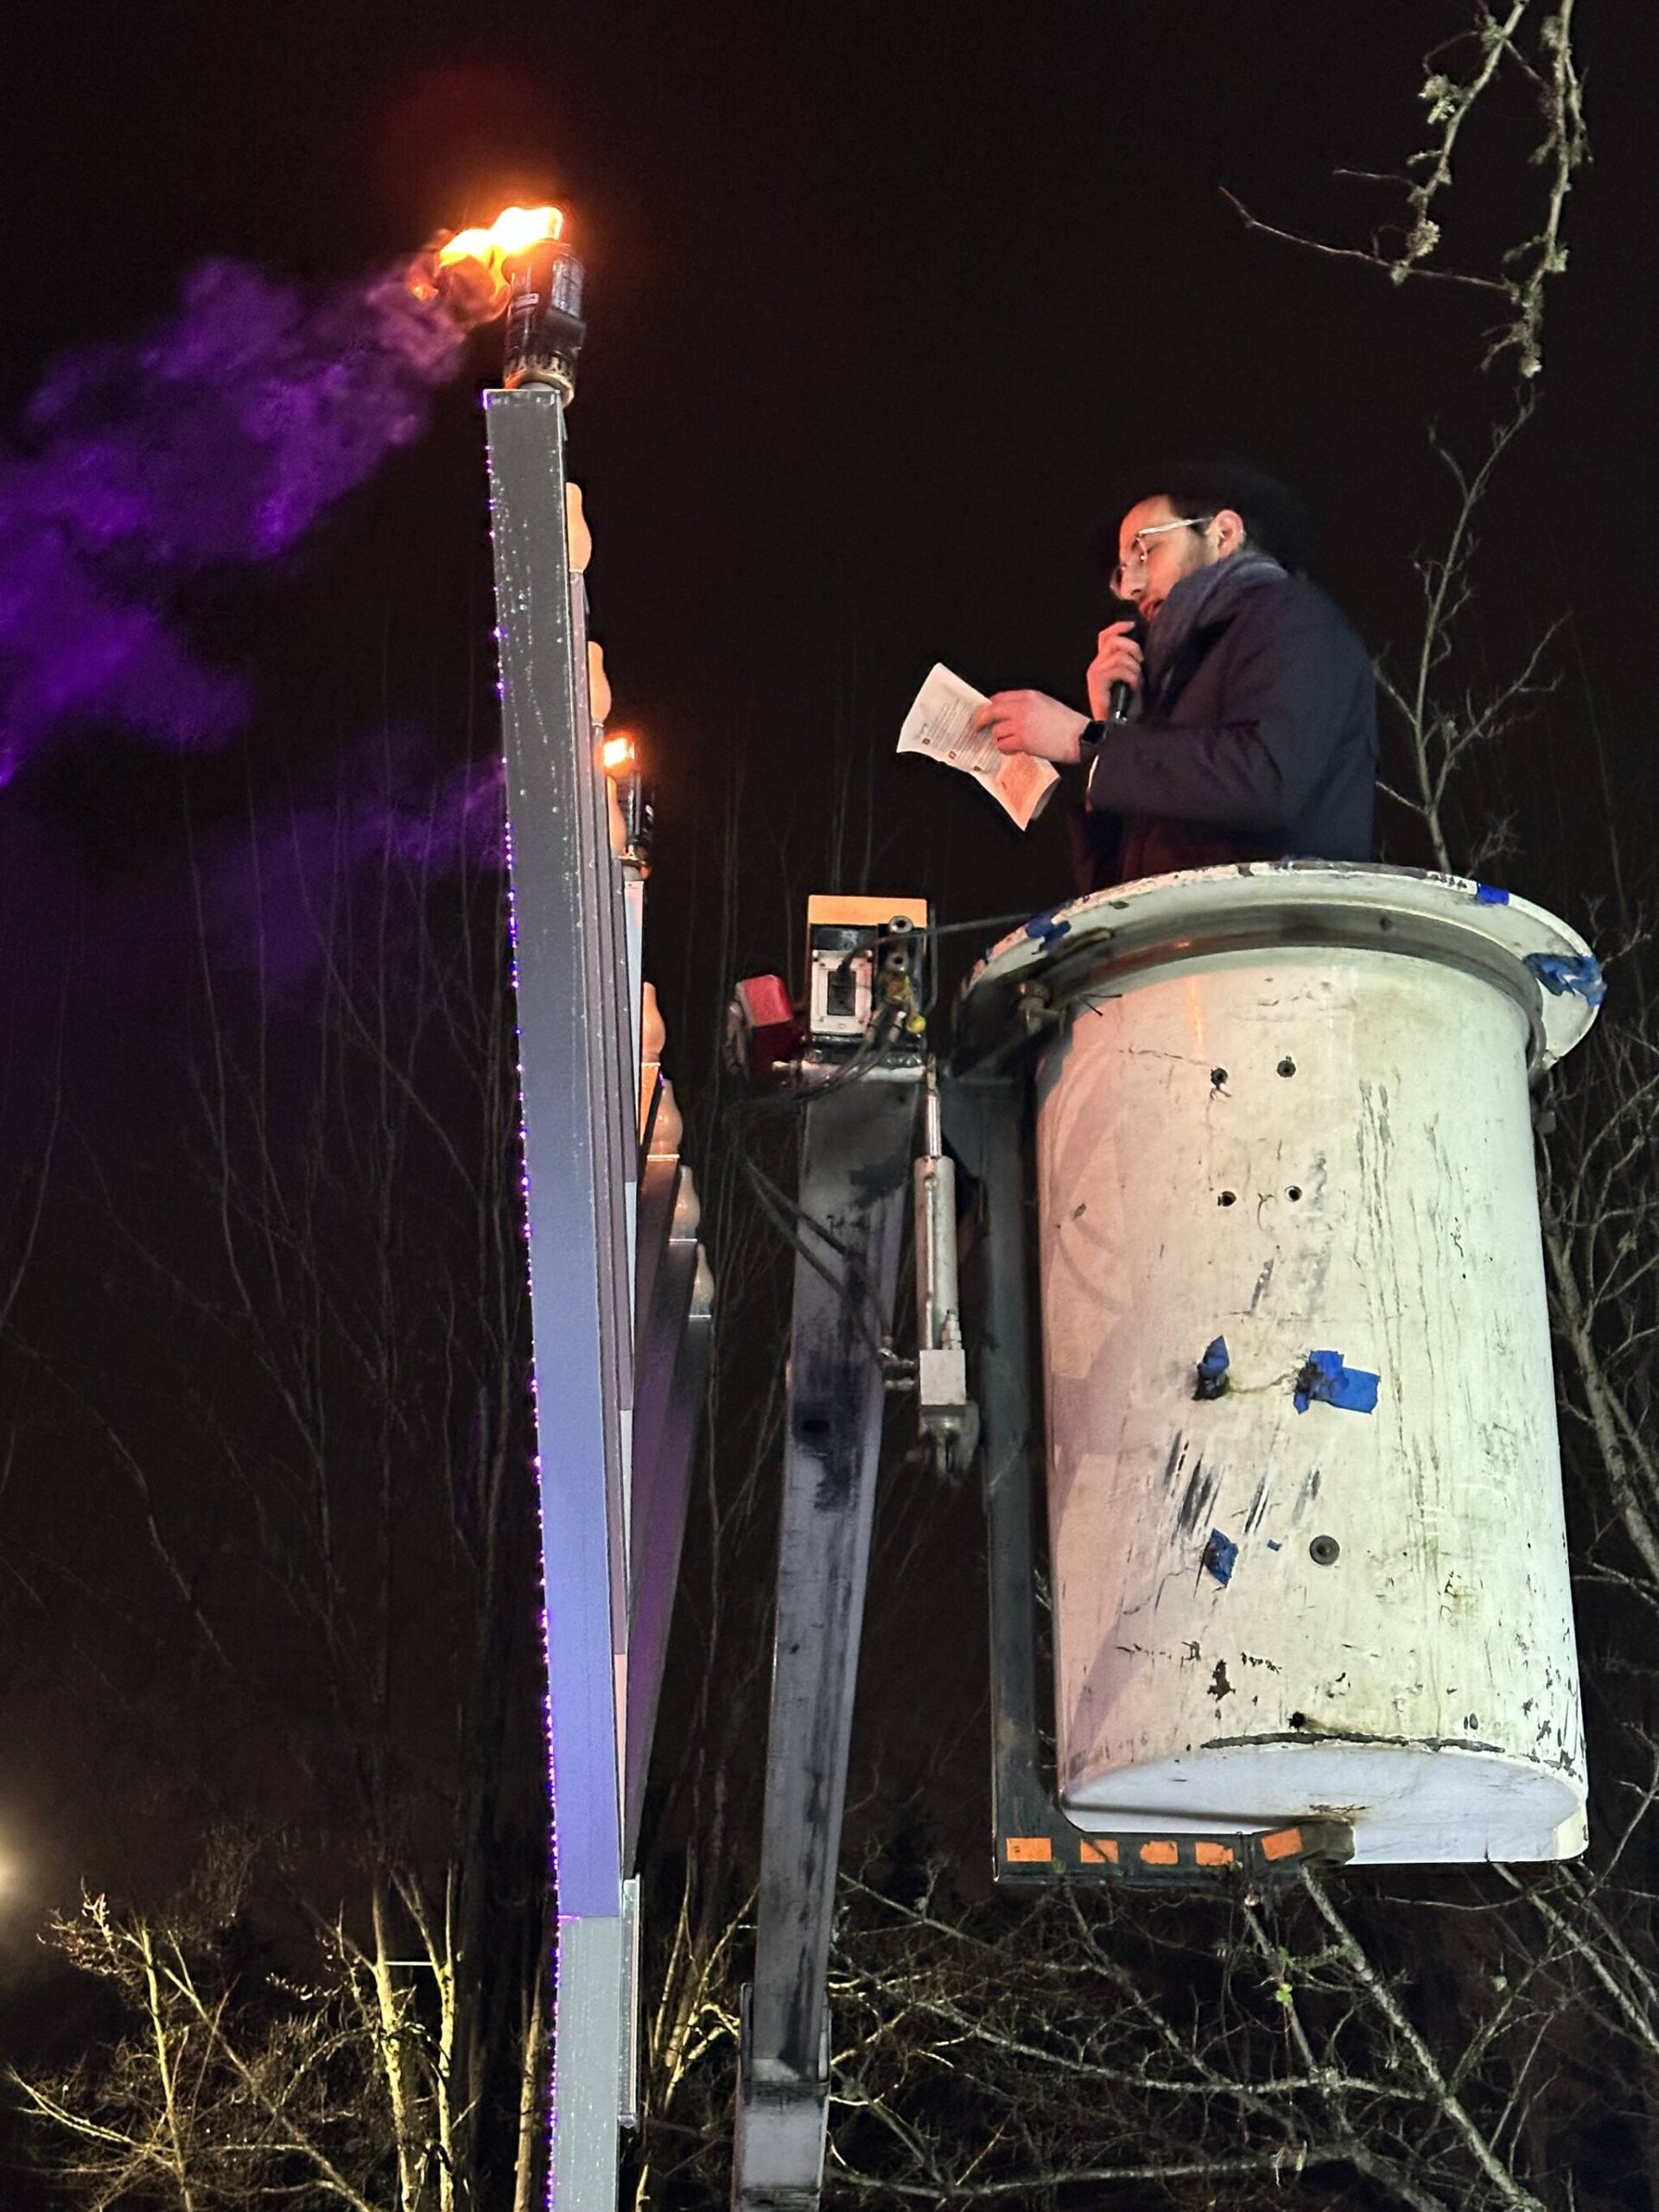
222	438
274	901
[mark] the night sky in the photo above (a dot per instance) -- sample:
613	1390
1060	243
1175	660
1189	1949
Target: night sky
881	300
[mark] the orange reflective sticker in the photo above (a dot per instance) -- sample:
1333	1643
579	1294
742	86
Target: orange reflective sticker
1102	1853
1159	1853
1213	1854
1283	1843
1027	1849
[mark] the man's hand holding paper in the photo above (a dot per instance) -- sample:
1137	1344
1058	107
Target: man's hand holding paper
944	724
1031	723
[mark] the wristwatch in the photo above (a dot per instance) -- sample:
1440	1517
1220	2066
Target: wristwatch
1090	743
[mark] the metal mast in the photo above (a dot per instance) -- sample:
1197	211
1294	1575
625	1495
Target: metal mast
595	1110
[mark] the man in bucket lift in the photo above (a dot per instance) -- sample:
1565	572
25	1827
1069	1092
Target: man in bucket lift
1244	727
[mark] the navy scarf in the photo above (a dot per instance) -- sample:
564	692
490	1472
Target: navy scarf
1198	602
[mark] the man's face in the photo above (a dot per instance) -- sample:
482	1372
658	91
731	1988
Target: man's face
1151	565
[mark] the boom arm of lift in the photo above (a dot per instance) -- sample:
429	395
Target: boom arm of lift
860	1141
854	1154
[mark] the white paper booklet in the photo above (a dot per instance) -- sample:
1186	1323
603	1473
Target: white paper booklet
939	725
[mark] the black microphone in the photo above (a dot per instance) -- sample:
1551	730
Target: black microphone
1118	698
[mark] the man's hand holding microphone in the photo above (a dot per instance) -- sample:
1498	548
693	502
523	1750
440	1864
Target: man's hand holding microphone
1030	722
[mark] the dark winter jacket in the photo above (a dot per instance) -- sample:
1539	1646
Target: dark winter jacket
1259	738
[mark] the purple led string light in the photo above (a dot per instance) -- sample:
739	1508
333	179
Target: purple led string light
552	1966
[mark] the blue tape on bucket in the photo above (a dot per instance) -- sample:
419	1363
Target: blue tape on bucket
1046	929
1325	1379
1220	1556
1560	973
1488	894
1212	1369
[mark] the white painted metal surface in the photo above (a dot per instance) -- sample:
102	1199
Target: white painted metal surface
1288	1107
584	1046
578	1158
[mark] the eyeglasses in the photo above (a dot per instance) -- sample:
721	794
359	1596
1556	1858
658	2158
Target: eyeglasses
1127	571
